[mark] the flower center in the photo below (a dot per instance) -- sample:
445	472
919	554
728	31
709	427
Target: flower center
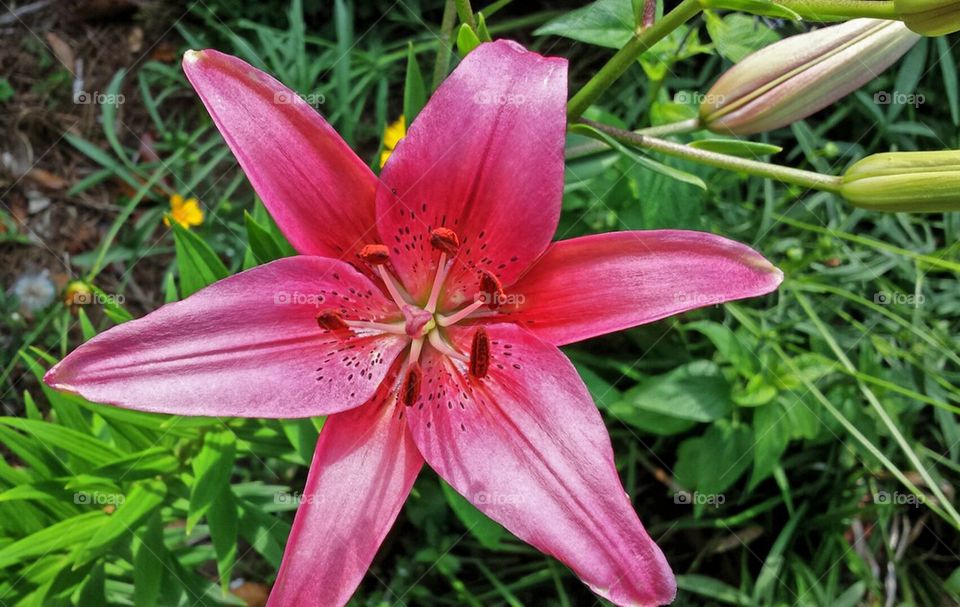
423	324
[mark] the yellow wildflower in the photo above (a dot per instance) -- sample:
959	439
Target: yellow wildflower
185	212
392	135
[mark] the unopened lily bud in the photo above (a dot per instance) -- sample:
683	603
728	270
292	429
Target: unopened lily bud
929	17
924	182
800	75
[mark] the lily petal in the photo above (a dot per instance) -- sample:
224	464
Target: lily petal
246	346
362	471
317	190
589	286
485	159
527	446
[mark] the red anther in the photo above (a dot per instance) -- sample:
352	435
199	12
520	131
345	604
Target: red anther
491	291
330	320
445	240
480	354
374	254
410	389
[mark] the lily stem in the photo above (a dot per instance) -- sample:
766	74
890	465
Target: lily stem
809	179
831	10
641	41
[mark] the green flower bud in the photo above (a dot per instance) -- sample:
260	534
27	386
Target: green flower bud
925	182
800	75
929	17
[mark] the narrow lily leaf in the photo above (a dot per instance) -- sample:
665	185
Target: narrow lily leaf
736	147
149	554
756	7
30	406
649	163
262	244
211	470
59	536
482	32
414	88
79	445
466	40
302	436
223	521
86	327
142	501
170	294
199	266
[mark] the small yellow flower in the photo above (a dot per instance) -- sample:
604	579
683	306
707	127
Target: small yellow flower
391	137
185	212
77	293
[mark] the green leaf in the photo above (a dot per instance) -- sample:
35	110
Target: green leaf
149	555
143	499
908	78
262	244
59	536
86	327
712	588
212	468
466	40
696	391
646	162
756	7
198	265
711	463
736	147
608	23
79	445
948	69
223	521
414	88
728	345
487	531
736	35
771	436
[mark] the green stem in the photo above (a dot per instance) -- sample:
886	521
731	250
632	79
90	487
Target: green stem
626	56
672	128
832	10
465	12
445	44
809	179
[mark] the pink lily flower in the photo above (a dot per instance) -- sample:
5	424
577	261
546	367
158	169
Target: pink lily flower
423	317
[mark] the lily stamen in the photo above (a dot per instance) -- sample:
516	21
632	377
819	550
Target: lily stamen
444	348
452	319
397	293
480	354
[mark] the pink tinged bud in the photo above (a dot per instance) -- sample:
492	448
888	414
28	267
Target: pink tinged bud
929	17
919	182
800	75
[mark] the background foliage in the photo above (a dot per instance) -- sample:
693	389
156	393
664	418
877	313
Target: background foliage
798	449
